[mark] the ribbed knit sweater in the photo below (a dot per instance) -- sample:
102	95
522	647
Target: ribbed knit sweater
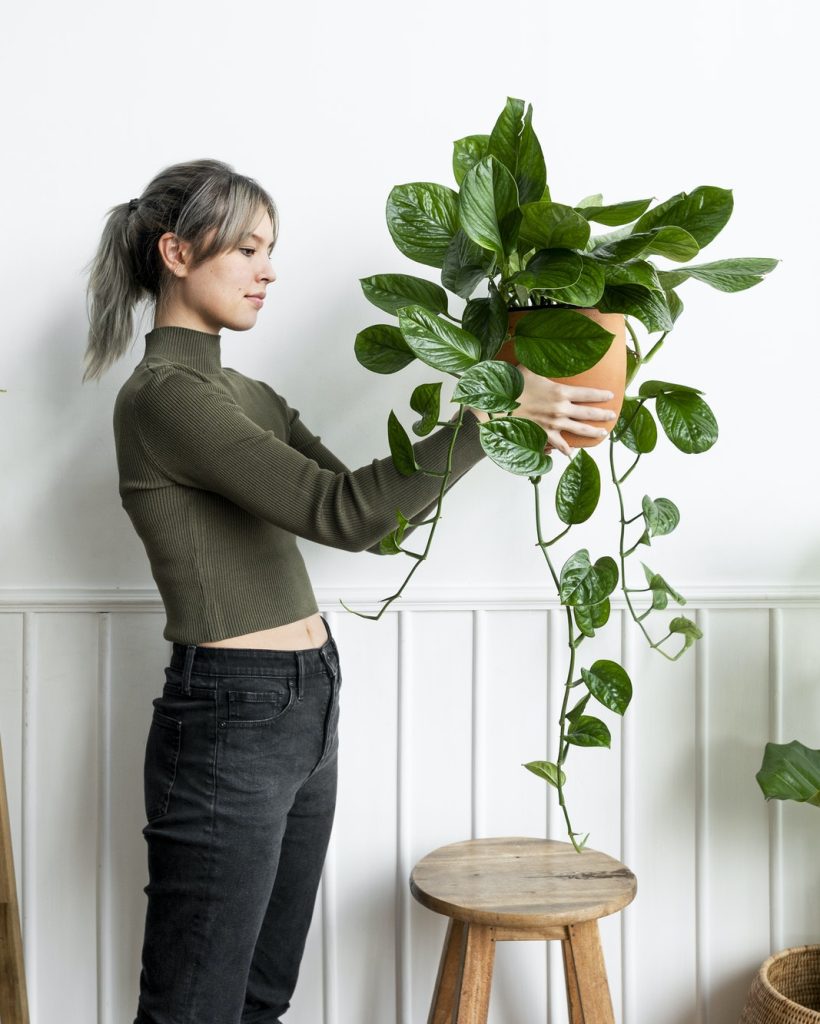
219	476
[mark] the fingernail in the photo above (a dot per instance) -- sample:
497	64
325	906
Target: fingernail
611	394
603	433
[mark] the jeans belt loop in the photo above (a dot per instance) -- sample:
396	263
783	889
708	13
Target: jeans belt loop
190	651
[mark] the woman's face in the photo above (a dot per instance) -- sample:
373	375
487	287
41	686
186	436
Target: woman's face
226	290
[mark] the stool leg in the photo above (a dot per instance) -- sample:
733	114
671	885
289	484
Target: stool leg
576	1015
449	974
476	976
586	972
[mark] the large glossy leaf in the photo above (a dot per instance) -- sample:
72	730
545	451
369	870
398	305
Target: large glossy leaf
589	732
382	349
588	618
550	268
790	771
466	154
609	683
648	306
687	420
548	771
401	448
392	291
661	515
492	386
653	388
578	490
582	583
488	206
437	342
672	242
465	264
422	217
587	290
702	212
640	272
426	400
636	428
531	173
516	445
546	225
488	320
559	342
725	275
615	214
504	138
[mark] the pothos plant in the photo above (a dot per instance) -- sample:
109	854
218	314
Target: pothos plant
501	229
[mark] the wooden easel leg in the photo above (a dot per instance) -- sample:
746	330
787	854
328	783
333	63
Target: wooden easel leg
449	974
13	998
476	976
587	960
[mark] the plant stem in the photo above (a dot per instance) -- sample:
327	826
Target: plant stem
635	341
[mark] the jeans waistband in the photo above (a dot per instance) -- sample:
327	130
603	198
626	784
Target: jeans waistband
226	661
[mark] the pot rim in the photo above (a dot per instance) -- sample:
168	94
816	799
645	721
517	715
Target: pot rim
782	954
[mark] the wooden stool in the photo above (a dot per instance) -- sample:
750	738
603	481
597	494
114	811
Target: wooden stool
13	999
494	889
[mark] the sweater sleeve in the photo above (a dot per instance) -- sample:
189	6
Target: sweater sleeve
198	436
310	444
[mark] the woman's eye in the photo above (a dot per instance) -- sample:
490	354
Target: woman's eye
246	250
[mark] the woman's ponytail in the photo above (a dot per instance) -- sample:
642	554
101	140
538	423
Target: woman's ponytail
113	291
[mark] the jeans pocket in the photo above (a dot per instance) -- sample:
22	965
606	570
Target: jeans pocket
269	700
161	760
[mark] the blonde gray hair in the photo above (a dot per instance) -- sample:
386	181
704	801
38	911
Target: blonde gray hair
193	200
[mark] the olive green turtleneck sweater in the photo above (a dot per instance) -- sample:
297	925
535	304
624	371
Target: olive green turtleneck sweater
219	476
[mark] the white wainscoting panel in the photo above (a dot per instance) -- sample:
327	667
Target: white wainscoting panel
442	701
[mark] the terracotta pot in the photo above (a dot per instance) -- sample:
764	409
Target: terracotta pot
608	373
786	989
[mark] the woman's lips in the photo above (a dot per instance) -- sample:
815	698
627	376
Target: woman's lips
255	300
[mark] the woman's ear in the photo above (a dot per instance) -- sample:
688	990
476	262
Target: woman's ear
175	253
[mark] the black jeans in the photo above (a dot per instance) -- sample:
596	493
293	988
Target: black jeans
240	790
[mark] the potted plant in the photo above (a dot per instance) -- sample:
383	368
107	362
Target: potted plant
786	989
560	300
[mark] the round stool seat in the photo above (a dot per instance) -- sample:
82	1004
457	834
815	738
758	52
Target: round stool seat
521	882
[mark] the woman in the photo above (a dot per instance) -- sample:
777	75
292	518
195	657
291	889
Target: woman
220	476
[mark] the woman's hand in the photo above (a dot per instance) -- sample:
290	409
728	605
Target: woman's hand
555	407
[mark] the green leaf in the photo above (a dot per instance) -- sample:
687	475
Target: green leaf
547	225
465	264
702	212
661	590
467	152
531	173
579	489
661	515
488	207
516	445
587	290
588	618
488	320
401	449
437	342
589	732
687	628
422	217
550	268
726	275
504	137
596	199
653	388
391	544
672	242
790	771
578	710
391	291
636	429
582	583
548	771
639	272
614	215
559	342
382	349
687	420
649	307
426	400
674	303
492	386
608	683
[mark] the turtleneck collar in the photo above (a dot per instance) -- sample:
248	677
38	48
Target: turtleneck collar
185	345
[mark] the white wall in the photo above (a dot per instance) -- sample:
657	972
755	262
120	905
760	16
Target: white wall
330	106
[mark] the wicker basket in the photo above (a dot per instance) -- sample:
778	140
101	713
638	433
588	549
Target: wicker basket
786	989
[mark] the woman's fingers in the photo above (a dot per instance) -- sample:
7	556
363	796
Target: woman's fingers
590	412
579	394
